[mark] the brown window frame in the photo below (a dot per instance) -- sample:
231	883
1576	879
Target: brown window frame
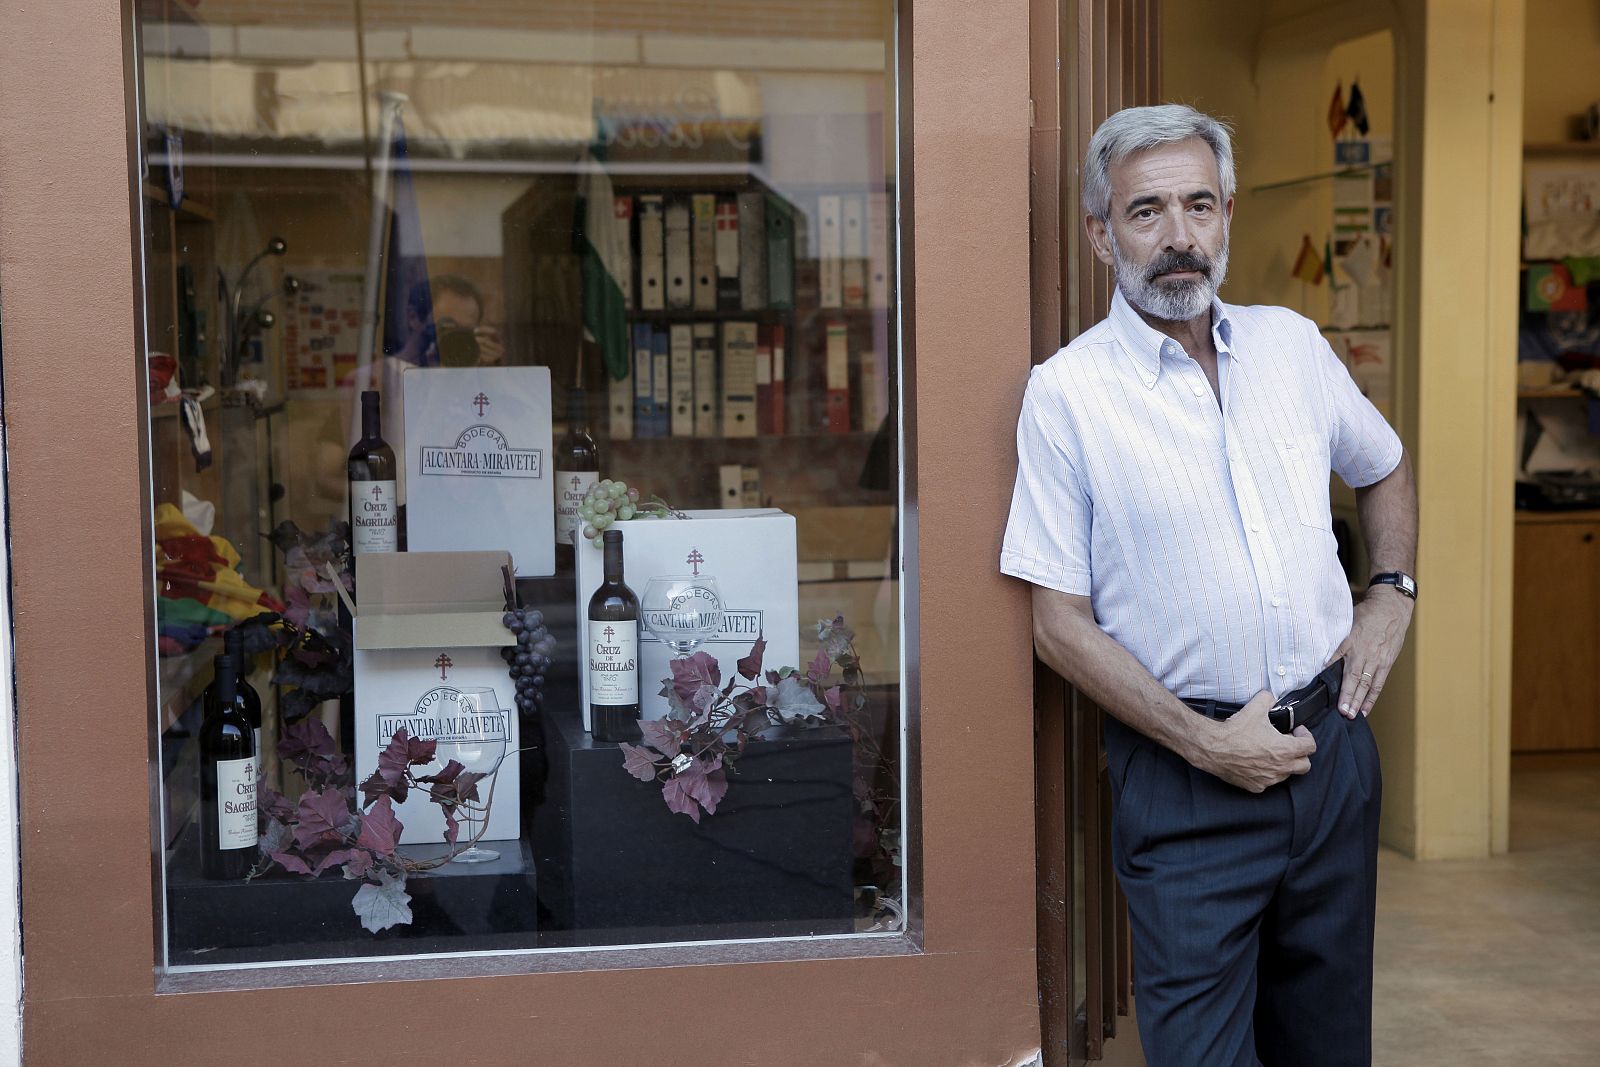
958	987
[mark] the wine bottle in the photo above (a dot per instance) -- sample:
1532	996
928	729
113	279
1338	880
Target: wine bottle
249	699
613	651
227	779
577	462
374	511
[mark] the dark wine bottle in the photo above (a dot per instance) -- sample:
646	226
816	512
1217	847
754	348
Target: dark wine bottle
613	652
227	778
577	468
374	511
249	699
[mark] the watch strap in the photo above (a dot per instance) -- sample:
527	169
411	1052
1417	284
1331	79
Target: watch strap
1399	579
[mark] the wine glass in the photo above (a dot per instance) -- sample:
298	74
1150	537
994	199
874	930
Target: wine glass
478	743
683	611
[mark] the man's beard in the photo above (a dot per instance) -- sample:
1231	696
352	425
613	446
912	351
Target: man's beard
1171	300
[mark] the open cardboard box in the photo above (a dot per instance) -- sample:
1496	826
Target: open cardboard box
427	625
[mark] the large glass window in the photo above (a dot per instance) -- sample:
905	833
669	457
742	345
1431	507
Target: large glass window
440	300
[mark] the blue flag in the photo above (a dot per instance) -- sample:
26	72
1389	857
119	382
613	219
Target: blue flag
408	330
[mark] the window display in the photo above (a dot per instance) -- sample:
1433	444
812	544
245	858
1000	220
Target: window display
524	448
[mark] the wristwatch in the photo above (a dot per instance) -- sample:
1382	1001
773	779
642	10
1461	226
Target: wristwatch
1399	579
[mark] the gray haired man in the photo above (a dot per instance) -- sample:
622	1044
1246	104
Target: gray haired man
1171	511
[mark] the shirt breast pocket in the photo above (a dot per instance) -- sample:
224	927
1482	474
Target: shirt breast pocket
1304	461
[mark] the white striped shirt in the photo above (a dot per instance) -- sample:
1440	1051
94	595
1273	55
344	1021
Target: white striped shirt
1202	535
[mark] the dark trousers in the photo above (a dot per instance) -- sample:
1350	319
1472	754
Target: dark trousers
1251	912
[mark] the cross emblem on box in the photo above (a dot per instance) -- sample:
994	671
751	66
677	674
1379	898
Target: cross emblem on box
444	664
482	402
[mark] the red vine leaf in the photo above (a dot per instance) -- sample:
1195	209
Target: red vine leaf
380	830
305	739
835	699
322	815
292	863
639	762
659	735
690	674
359	864
676	793
750	666
819	666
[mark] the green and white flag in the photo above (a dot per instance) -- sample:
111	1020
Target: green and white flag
603	243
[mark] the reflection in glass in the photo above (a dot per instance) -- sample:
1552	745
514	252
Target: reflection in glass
689	226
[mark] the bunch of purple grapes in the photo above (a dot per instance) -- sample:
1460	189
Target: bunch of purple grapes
529	658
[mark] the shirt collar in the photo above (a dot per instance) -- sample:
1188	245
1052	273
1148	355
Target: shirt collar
1146	344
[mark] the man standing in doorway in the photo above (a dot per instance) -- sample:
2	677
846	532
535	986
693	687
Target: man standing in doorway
1171	510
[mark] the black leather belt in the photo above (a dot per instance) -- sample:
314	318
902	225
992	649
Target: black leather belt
1304	707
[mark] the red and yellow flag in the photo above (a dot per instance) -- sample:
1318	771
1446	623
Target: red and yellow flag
1336	112
1308	264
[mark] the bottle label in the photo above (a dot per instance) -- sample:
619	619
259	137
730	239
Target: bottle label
571	488
613	662
236	803
375	517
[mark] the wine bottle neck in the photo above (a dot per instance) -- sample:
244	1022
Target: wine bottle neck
225	677
613	563
370	422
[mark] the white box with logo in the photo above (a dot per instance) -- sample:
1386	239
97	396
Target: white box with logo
477	459
751	553
428	625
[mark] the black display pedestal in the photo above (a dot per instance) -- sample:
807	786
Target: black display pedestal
615	865
459	907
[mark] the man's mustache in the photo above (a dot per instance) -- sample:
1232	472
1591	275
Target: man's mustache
1168	262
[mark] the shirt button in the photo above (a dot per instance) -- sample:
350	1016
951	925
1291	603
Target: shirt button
1199	390
1276	602
1255	528
1282	671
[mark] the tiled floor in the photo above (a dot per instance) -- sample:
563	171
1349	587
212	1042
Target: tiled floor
1497	961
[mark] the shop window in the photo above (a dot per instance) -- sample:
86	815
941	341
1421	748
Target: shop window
439	301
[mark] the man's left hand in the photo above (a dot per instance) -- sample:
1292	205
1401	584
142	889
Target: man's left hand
1376	636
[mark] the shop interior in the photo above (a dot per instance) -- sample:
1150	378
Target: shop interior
677	242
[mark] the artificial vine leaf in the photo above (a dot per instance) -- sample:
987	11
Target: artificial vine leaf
338	856
359	864
305	739
380	830
705	698
276	837
292	863
701	787
834	698
690	674
375	787
675	791
322	815
835	636
749	667
795	701
639	762
819	666
659	735
383	905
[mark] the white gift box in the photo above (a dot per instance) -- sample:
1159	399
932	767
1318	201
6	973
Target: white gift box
477	459
751	553
428	625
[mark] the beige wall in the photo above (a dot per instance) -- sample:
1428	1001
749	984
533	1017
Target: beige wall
1563	47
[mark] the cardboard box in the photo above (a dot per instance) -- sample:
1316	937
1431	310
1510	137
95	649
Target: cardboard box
477	459
751	553
427	626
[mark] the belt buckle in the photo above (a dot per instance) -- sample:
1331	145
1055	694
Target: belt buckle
1289	706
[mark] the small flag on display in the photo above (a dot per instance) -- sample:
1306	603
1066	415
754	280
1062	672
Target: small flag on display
1357	111
1327	259
1336	115
1550	288
1308	265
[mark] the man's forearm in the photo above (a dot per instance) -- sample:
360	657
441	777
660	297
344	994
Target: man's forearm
1073	646
1388	511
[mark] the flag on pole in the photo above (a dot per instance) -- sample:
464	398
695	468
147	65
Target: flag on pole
1308	265
1357	111
602	241
1327	258
1336	114
407	300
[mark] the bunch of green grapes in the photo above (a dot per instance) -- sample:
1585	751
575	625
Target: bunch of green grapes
606	502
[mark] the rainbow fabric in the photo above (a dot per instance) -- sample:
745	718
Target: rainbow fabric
199	584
